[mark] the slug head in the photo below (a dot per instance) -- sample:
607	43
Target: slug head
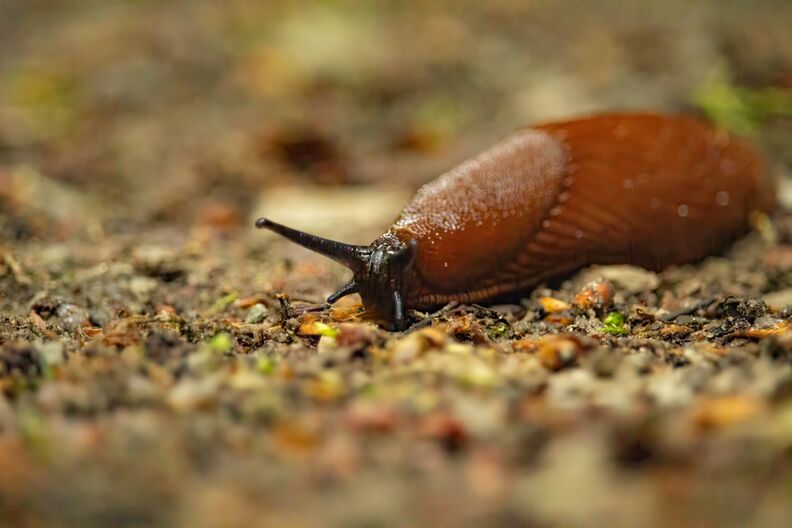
378	270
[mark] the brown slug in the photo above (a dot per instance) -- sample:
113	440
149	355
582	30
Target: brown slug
644	189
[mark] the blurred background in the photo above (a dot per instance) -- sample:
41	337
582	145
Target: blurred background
151	374
118	115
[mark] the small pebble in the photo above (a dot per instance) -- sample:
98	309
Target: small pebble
256	314
72	317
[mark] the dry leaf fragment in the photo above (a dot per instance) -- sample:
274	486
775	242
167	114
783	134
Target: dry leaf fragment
725	411
596	295
552	305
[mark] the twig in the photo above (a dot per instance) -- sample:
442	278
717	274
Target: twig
426	321
689	310
301	309
16	270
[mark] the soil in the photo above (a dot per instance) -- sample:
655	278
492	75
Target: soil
163	363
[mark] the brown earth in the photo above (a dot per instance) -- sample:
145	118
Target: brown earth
163	364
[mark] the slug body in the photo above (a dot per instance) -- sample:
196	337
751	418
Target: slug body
642	189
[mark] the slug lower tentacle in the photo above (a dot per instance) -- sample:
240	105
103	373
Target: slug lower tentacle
642	189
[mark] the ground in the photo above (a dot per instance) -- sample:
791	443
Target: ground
163	363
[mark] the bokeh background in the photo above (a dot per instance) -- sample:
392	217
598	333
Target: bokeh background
147	112
152	375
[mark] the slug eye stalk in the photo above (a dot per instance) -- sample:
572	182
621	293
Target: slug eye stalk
378	270
352	256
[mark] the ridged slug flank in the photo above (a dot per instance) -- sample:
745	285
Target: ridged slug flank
642	189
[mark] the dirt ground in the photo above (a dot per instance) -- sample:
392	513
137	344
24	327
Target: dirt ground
163	363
